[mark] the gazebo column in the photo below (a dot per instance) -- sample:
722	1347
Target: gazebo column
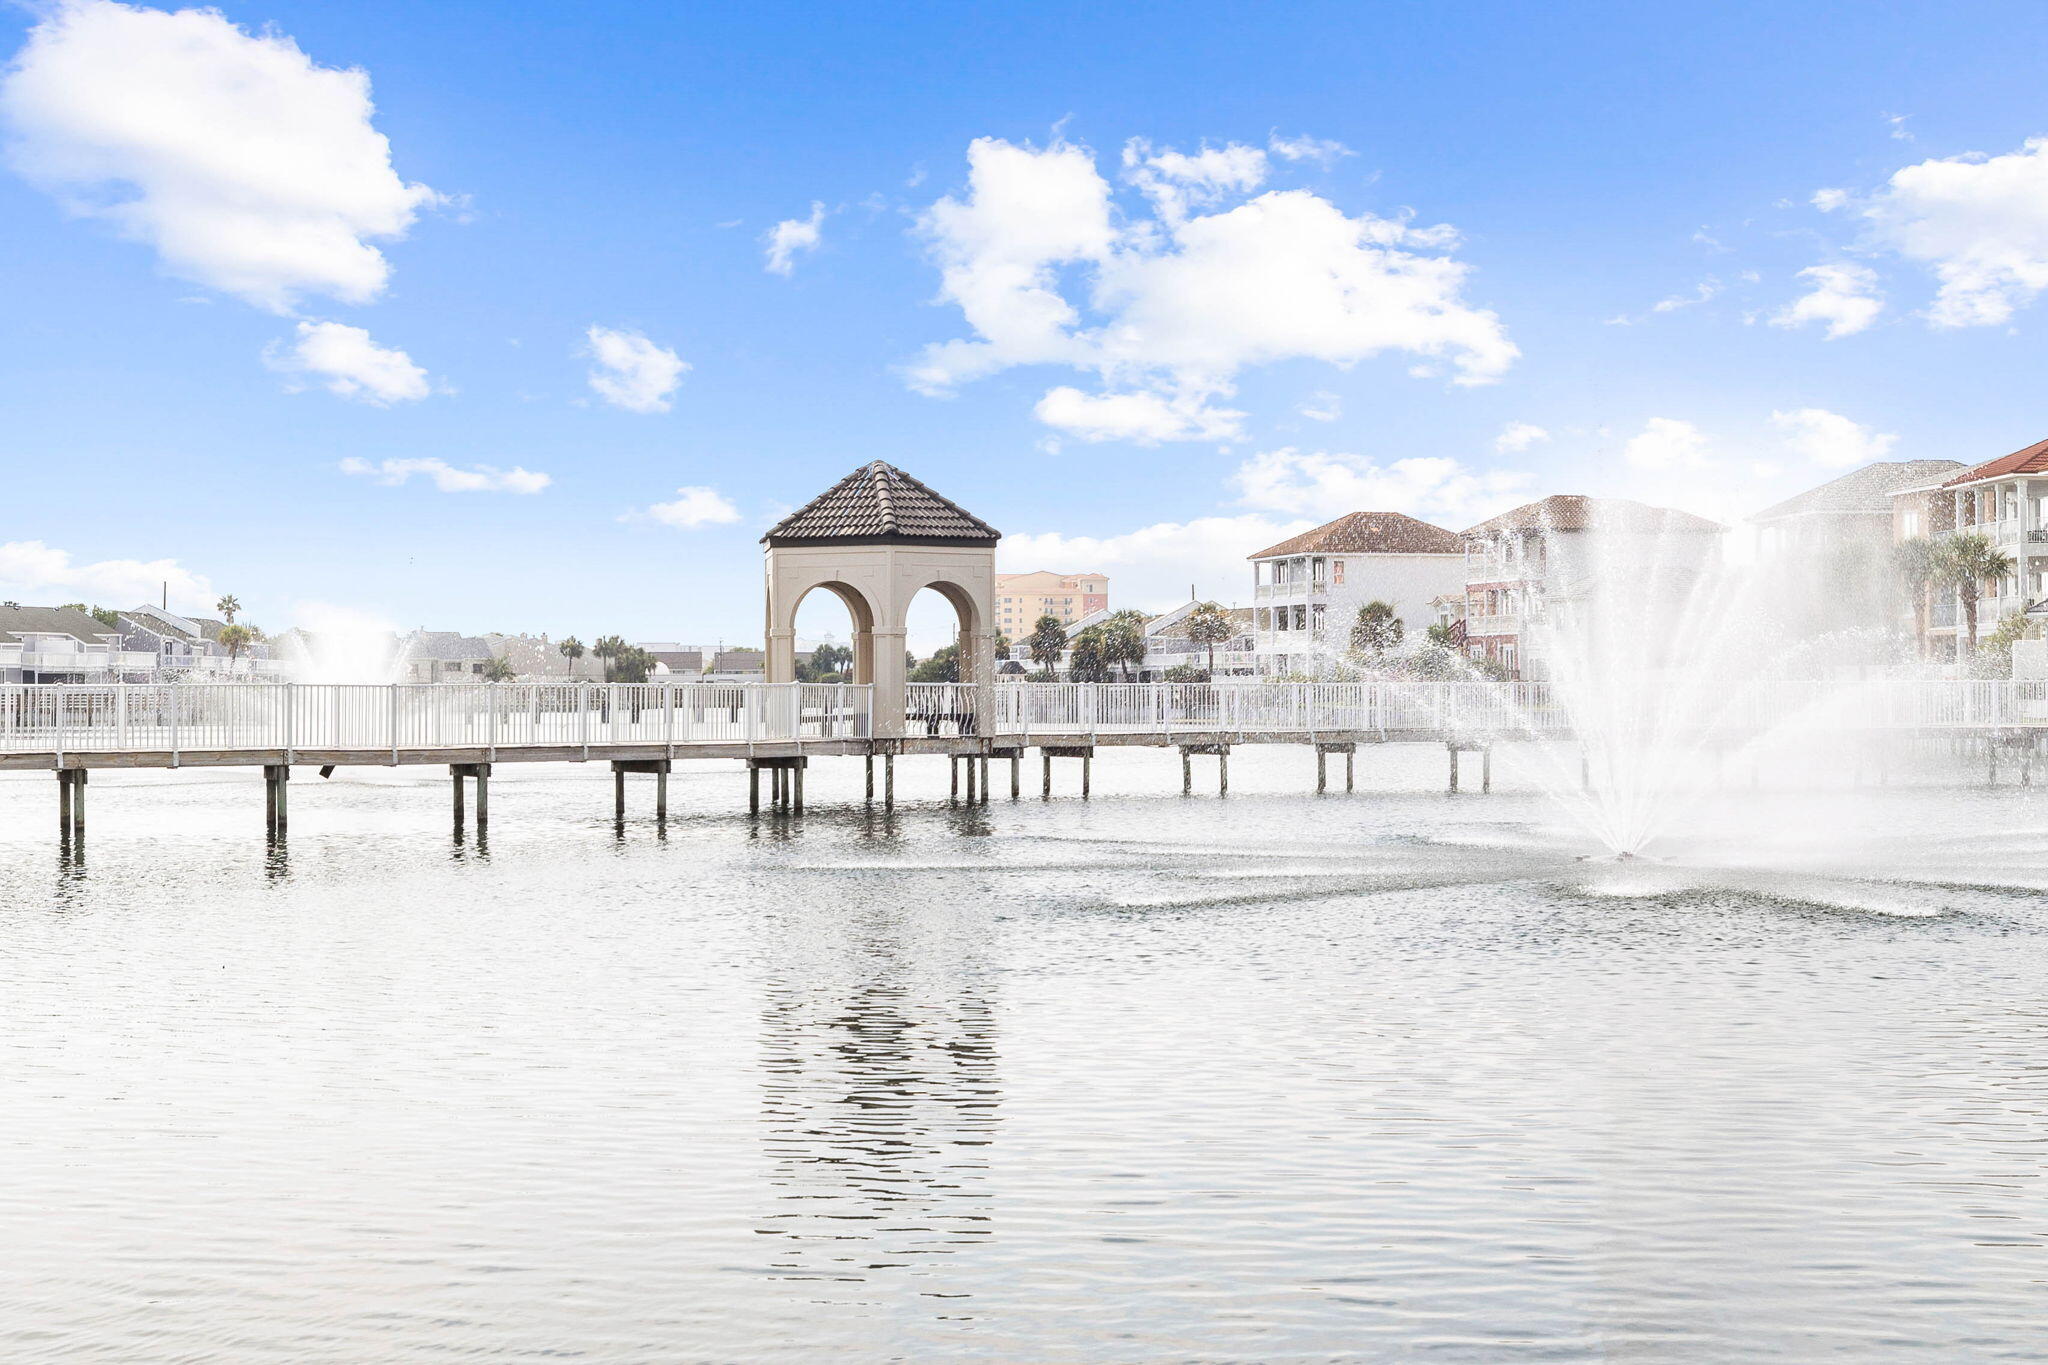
889	683
779	665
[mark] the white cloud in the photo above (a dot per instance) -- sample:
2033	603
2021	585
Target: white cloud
1321	406
1323	485
246	166
632	372
1305	148
346	362
1154	566
1845	297
1703	291
1980	223
1517	437
1665	443
36	574
1827	201
480	478
1177	302
692	507
1830	439
1177	181
1145	418
790	236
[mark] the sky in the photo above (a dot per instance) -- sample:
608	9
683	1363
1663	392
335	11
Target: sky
516	317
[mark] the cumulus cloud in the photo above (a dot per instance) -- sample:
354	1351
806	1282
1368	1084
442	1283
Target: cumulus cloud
1143	417
1517	437
1845	297
344	361
1980	223
1830	439
693	506
1666	444
37	574
789	237
1174	304
245	165
632	372
1323	485
478	478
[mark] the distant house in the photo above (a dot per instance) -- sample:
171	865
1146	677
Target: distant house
737	665
2006	501
189	646
432	656
1835	540
684	660
1542	560
1308	589
62	645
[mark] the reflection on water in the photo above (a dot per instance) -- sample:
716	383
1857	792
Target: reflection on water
1390	1076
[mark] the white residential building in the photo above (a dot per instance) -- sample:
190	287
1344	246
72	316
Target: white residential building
65	645
1308	590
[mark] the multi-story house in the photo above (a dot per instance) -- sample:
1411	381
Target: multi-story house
1541	562
432	656
2006	501
1021	598
1308	589
1832	544
64	645
190	647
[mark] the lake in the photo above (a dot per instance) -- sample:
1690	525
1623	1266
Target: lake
1390	1075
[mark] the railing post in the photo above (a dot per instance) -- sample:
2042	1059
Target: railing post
392	717
291	728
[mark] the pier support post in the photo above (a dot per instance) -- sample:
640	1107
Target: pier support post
1486	769
888	781
785	781
1084	752
1454	768
871	777
458	773
1222	753
1016	772
276	792
71	802
1323	751
753	790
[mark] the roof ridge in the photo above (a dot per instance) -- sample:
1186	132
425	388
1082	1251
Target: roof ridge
880	471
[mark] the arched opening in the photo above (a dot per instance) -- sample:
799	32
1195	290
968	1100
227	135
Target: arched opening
834	635
940	626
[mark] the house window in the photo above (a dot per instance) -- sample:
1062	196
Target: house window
1337	572
1301	618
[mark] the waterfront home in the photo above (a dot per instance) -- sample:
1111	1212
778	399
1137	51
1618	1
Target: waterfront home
1543	560
63	645
1833	542
1308	589
433	656
2006	501
190	647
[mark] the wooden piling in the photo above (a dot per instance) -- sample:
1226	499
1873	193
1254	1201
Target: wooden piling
888	781
753	791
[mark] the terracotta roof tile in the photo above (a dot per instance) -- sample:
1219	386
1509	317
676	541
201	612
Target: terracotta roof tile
2032	460
1576	512
880	502
1369	533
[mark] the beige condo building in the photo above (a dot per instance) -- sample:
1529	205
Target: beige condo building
1021	598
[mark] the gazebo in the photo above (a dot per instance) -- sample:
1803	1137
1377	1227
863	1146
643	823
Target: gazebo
876	539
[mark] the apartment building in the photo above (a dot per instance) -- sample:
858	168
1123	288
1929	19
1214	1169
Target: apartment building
64	645
1541	562
1834	543
1021	598
1307	590
2006	501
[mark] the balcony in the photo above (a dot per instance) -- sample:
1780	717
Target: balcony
1501	624
1298	588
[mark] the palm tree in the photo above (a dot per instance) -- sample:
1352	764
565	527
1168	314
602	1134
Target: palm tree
572	650
609	648
1916	564
234	639
227	607
1123	640
1047	641
1209	624
1377	630
499	669
1967	561
1090	660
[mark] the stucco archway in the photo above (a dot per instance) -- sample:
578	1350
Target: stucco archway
877	538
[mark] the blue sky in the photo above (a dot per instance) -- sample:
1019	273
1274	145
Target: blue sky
1502	196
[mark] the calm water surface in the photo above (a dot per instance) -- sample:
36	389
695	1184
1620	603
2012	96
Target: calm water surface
1389	1076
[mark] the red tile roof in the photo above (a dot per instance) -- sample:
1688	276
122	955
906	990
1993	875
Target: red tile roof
2032	460
1369	533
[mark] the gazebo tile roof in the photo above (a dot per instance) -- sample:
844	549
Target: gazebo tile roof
880	502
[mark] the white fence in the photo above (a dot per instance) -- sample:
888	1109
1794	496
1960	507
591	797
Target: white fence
178	717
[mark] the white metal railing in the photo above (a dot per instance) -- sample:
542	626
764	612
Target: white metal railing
180	717
175	718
